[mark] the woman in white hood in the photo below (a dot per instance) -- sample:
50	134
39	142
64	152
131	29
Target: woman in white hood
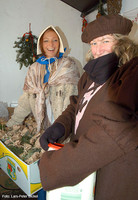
49	83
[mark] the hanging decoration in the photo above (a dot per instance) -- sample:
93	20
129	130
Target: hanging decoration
27	45
114	7
84	23
101	10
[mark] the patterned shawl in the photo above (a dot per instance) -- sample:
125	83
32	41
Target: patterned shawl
63	71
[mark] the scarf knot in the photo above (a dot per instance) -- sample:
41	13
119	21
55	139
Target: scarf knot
47	61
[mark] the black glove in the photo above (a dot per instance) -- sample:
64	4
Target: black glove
51	135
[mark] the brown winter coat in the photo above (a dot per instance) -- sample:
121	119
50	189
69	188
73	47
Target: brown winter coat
106	139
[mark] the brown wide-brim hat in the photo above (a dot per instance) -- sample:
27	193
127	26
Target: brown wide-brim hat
104	25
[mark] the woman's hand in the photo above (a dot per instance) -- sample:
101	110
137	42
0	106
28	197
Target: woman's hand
51	135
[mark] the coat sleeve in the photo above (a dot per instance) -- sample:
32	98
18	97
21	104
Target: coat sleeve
21	111
76	160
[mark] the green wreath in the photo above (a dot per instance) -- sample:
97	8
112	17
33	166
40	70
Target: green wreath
27	47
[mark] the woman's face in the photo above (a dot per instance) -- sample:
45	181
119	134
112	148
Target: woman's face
50	44
102	45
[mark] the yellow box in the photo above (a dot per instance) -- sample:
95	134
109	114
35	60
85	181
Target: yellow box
26	176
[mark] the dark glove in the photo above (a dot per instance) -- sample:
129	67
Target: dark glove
51	135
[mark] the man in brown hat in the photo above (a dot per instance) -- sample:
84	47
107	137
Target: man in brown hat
103	118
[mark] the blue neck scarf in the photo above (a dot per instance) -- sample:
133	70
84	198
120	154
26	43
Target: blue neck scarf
46	61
